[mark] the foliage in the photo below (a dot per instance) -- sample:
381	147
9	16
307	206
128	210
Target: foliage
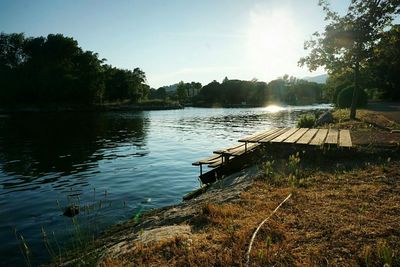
344	98
385	253
348	41
268	169
293	166
160	93
306	121
384	68
55	70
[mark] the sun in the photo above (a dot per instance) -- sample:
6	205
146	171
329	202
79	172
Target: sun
273	41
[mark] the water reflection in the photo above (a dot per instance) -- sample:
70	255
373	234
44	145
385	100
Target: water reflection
45	147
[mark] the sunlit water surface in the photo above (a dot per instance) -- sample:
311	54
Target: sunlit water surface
115	164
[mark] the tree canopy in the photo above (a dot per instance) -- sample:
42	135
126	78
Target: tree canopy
348	43
55	70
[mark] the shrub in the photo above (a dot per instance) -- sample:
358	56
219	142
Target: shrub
306	121
345	97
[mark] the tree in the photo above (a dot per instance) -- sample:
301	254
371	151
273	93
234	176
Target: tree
55	70
181	91
348	41
385	67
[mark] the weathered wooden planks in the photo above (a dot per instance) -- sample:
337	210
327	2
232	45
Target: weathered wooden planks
285	135
306	138
332	137
237	150
216	163
301	136
209	160
345	138
296	136
228	149
268	138
257	136
319	138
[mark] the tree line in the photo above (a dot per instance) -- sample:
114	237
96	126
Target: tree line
55	70
233	92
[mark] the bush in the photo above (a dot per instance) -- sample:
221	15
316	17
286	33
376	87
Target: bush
306	121
345	97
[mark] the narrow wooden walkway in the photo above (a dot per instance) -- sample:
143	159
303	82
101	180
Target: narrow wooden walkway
295	136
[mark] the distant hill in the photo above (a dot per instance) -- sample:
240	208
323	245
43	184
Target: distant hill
317	79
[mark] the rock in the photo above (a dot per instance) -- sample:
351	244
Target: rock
71	211
165	233
324	119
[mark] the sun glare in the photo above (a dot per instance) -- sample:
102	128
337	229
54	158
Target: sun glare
273	108
272	42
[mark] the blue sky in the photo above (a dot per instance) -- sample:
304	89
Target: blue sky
174	40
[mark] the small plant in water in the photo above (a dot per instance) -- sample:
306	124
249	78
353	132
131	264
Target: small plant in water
24	247
136	216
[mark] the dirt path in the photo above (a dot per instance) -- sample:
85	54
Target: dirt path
389	109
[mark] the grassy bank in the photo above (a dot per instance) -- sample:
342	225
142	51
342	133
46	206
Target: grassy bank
336	216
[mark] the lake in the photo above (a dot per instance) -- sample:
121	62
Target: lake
113	164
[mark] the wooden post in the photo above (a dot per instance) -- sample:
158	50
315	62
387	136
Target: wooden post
226	158
201	169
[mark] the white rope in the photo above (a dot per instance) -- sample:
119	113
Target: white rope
259	226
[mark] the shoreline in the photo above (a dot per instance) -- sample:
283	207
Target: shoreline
95	108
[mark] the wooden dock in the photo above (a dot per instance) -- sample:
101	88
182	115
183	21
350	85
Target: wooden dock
277	136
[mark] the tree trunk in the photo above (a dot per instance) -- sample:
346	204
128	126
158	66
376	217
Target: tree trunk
353	108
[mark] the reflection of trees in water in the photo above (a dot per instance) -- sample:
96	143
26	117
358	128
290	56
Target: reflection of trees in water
32	145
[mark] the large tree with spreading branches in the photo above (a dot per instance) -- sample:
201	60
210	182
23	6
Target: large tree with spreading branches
348	41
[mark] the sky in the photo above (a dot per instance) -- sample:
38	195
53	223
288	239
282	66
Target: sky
181	40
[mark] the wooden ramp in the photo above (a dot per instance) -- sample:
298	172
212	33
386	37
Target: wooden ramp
274	136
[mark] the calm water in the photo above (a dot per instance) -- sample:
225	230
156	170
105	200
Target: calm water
114	163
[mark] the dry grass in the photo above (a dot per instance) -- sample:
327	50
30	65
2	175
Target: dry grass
369	128
365	120
340	218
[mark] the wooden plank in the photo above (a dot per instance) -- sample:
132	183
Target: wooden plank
242	150
296	136
272	136
345	138
285	135
319	138
307	136
207	160
332	137
258	135
216	163
266	134
237	151
226	150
